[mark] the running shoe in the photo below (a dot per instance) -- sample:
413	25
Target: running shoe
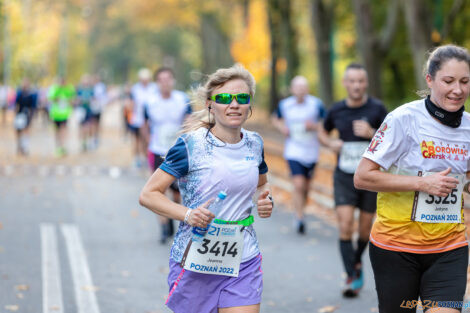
349	291
358	281
354	285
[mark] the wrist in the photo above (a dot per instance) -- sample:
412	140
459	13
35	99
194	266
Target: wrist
187	216
419	186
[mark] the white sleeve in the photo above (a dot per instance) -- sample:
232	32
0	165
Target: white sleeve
389	142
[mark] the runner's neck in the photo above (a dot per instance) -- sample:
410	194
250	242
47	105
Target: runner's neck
228	135
354	103
166	95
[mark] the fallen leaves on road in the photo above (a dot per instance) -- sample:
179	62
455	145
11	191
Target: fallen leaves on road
135	213
1	225
284	230
309	299
90	288
271	303
374	309
125	273
312	242
2	249
121	290
54	308
35	190
22	287
328	309
12	308
20	295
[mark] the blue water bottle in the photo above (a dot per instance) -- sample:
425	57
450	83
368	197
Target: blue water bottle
214	207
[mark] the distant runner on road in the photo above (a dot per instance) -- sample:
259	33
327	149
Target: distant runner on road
165	113
26	104
142	92
298	118
61	97
355	118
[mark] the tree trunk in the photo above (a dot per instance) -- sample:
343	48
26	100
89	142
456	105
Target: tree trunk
290	43
215	44
368	47
322	19
274	30
419	30
373	45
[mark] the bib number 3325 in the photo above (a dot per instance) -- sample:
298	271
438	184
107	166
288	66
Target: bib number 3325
434	209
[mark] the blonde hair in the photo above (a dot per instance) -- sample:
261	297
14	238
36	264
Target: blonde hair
204	118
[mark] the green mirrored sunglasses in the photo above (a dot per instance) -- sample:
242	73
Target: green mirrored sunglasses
226	98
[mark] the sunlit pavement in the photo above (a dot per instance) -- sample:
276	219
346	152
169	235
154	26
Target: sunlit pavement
73	237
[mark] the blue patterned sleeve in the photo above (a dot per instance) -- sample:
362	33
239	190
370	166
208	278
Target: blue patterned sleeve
176	161
262	167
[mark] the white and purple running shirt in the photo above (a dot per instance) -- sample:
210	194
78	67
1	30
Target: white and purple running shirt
204	166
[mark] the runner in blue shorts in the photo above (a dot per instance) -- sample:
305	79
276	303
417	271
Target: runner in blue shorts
297	118
221	273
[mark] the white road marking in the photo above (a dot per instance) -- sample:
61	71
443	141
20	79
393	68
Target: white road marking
83	284
51	283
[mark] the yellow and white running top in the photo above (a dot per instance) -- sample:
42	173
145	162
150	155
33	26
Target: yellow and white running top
411	142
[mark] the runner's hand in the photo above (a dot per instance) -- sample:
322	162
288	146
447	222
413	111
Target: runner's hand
285	131
362	129
439	184
265	205
336	145
311	126
201	216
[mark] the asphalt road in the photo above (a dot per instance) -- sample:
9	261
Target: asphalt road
73	237
78	241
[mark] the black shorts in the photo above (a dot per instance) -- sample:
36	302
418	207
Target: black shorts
59	124
438	279
346	194
155	160
96	116
297	168
134	130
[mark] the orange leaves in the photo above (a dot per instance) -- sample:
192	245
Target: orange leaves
251	47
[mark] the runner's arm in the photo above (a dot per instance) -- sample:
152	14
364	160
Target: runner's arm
368	176
325	139
153	198
280	125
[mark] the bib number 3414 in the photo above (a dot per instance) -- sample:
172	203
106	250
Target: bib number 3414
219	252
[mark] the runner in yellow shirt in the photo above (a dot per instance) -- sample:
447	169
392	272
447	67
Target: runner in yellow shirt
418	161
